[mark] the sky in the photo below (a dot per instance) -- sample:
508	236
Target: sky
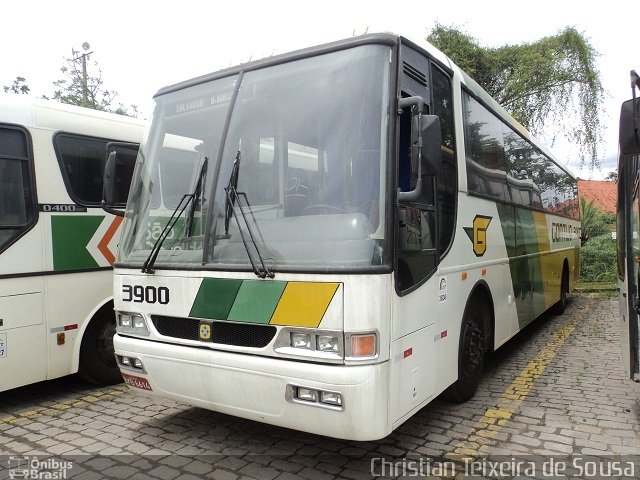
141	46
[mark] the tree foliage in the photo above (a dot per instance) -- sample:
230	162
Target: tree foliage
595	222
18	86
598	252
84	86
598	260
545	82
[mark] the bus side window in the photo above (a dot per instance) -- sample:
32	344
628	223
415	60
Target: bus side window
17	205
82	160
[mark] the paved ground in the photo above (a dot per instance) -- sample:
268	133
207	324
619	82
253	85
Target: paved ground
554	400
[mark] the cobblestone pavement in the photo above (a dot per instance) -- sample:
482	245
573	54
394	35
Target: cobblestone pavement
556	392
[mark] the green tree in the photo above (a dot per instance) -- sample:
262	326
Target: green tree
598	252
539	83
595	222
18	86
82	85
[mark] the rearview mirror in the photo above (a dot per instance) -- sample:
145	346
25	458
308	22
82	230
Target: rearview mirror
426	141
431	144
118	172
630	127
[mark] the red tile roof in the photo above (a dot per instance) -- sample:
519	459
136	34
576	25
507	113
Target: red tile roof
603	193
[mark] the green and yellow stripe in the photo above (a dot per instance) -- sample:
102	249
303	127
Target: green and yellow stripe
272	302
535	270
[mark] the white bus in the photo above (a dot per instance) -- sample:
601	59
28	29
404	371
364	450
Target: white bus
334	257
57	245
628	228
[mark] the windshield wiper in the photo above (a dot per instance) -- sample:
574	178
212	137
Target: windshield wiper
187	198
197	198
233	197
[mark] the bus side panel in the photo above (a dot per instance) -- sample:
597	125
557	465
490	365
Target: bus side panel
628	251
22	336
23	349
412	369
71	302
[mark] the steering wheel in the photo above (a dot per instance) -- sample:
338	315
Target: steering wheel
321	208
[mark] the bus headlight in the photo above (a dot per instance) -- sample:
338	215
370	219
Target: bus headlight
327	343
131	323
300	340
310	344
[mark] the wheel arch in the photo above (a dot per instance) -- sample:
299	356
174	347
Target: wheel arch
481	292
101	311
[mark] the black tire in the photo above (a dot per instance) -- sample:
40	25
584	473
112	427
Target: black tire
561	305
471	353
97	355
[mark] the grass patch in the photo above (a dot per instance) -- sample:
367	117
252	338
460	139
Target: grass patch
597	289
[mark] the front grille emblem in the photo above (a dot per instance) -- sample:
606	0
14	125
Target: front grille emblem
204	331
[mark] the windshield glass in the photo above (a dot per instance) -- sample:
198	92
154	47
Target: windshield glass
309	139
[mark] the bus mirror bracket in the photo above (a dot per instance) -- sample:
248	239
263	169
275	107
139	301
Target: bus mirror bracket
425	131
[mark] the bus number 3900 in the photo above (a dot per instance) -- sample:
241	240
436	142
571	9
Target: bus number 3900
148	294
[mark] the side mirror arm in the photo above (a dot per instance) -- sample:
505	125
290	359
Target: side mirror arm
417	103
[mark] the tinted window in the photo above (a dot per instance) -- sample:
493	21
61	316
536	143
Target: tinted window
447	180
484	144
82	160
17	205
506	167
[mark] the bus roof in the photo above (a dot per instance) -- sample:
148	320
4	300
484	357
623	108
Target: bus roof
47	114
384	38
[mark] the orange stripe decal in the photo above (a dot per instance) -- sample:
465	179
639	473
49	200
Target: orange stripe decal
103	245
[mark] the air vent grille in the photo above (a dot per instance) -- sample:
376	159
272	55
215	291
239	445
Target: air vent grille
414	74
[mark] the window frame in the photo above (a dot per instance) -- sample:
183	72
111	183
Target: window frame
467	92
438	252
65	177
34	210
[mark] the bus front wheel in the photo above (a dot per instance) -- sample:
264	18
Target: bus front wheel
471	353
97	356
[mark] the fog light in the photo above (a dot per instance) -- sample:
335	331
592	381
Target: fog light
307	394
331	398
300	340
327	343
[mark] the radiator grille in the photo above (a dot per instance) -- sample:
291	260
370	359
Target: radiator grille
223	333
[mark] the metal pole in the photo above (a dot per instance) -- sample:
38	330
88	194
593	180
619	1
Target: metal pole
84	79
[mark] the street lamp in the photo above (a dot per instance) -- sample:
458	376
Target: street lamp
83	57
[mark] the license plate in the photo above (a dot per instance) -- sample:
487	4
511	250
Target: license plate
136	382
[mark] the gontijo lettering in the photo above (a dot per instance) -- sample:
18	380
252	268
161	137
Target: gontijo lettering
563	232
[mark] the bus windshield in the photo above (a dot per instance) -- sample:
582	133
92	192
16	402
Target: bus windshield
309	143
